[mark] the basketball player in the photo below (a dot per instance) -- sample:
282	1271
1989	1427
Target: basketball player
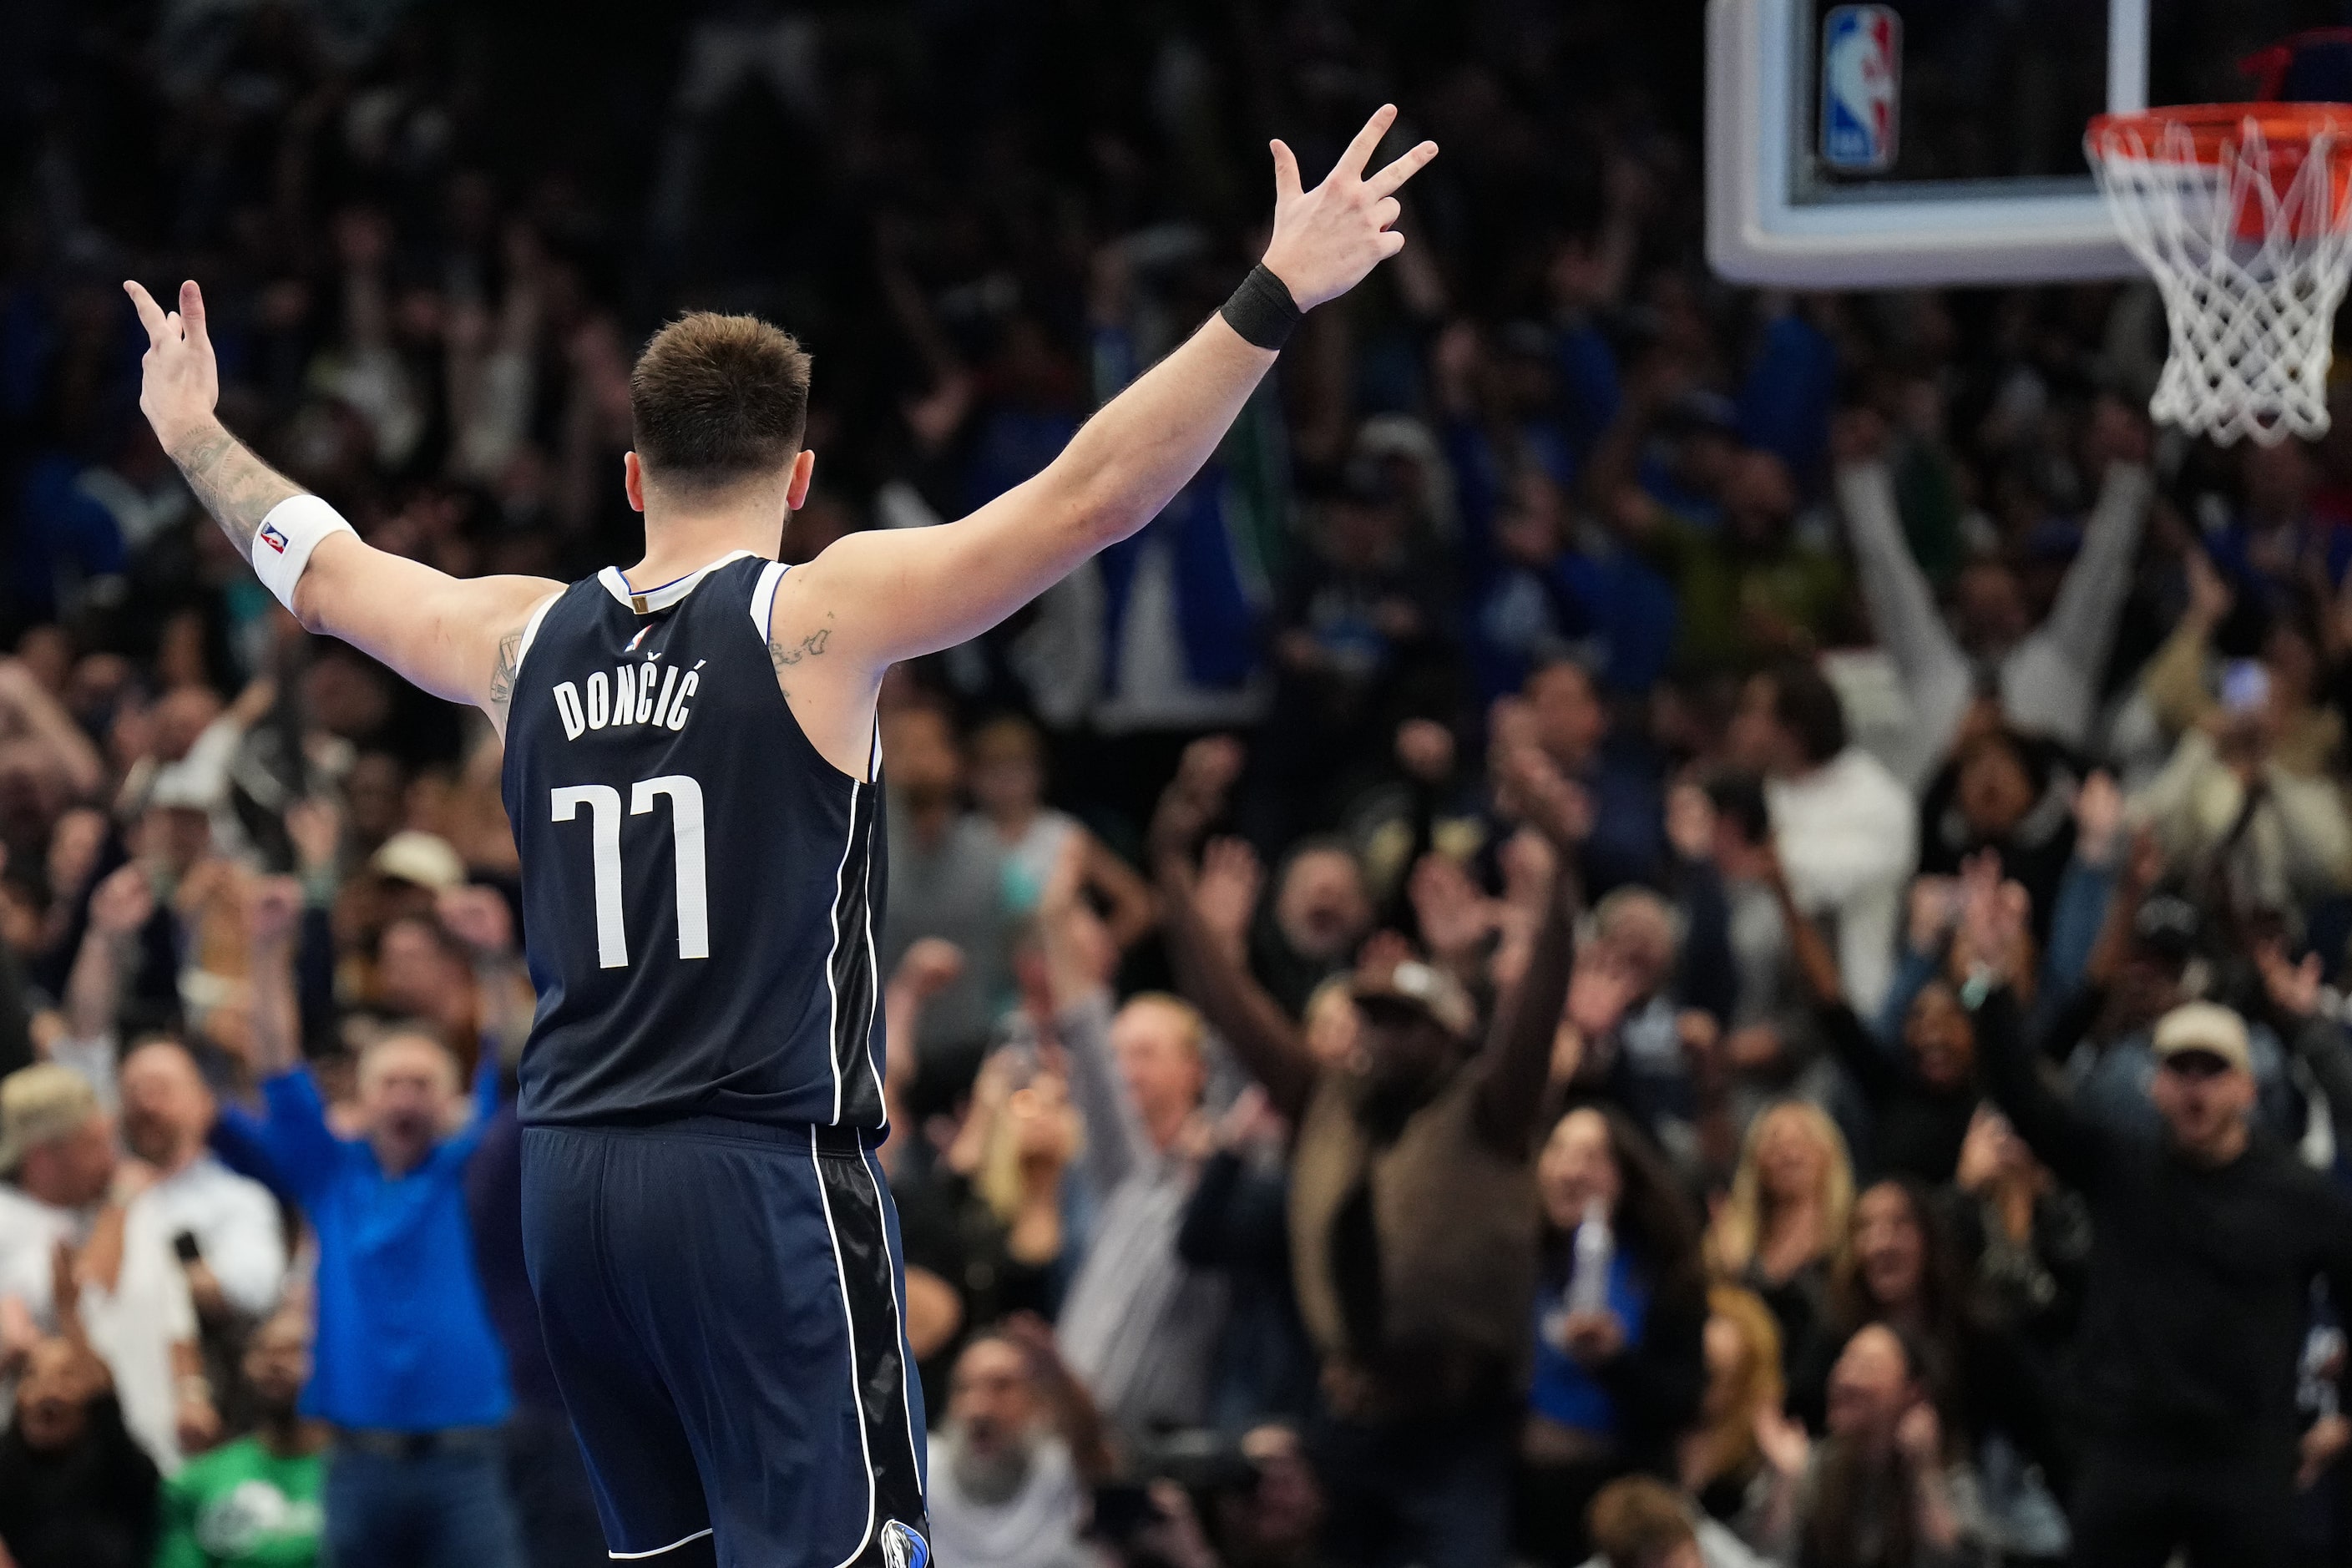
694	778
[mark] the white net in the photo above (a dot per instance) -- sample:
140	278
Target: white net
2250	245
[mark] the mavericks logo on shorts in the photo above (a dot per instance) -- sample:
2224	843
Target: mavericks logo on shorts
272	538
902	1547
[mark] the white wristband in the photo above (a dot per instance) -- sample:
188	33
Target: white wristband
282	547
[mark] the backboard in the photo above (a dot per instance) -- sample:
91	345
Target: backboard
1920	143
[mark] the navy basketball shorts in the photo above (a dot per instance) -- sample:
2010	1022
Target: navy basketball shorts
722	1303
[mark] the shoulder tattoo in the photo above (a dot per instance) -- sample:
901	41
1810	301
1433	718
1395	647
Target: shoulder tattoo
784	655
509	665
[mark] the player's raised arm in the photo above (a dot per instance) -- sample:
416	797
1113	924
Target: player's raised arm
875	598
456	638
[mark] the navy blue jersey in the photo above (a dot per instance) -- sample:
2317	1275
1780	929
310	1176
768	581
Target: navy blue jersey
700	888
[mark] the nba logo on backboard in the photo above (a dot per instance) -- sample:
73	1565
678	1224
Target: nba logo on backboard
1862	79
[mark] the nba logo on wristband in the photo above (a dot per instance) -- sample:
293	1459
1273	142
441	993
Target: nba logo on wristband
272	538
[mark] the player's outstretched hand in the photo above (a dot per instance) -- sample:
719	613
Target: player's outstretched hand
180	383
1325	240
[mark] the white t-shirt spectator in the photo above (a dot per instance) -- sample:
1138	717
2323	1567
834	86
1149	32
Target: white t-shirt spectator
1849	837
234	1222
1036	1527
131	1327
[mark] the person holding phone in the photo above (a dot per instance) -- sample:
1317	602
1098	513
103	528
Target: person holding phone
225	1227
2237	796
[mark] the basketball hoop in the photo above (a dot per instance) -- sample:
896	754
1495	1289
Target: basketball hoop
2241	213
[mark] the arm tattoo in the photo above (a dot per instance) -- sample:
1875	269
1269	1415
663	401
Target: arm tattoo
509	665
784	655
238	488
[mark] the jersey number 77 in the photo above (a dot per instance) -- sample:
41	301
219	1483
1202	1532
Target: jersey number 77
604	803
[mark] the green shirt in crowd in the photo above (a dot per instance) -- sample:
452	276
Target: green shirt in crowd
241	1506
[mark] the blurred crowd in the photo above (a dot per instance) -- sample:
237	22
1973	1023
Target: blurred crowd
1657	924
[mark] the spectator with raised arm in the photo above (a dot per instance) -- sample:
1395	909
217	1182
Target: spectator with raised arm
1619	771
1412	1203
2026	1240
2189	685
1750	587
410	1373
255	1502
2211	1234
1238	1224
226	1227
77	1490
1140	1324
2045	678
2229	807
108	960
1919	1097
66	1185
986	1234
1846	831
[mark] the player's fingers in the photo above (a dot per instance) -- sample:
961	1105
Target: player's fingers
192	309
1386	210
1359	152
151	314
1391	242
1386	181
1286	171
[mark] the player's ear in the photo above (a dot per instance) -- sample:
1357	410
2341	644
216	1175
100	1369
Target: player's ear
797	487
632	480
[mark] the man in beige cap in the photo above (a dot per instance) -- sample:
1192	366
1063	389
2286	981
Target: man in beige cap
62	1182
2210	1237
2204	1083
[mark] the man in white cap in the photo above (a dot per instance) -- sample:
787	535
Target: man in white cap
65	1184
2210	1237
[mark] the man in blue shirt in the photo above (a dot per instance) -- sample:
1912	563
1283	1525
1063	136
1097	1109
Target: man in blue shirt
409	1373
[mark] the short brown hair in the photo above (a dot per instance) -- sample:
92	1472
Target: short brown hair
1637	1521
718	399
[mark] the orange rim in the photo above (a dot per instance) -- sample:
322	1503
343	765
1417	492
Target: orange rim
2287	128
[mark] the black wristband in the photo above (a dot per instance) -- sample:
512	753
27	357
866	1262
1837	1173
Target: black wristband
1262	309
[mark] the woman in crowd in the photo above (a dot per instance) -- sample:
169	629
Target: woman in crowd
1008	785
2026	1239
76	1489
1784	1226
1896	1268
1719	1457
983	1222
1902	1270
1620	1371
1919	1100
1877	1490
2007	794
